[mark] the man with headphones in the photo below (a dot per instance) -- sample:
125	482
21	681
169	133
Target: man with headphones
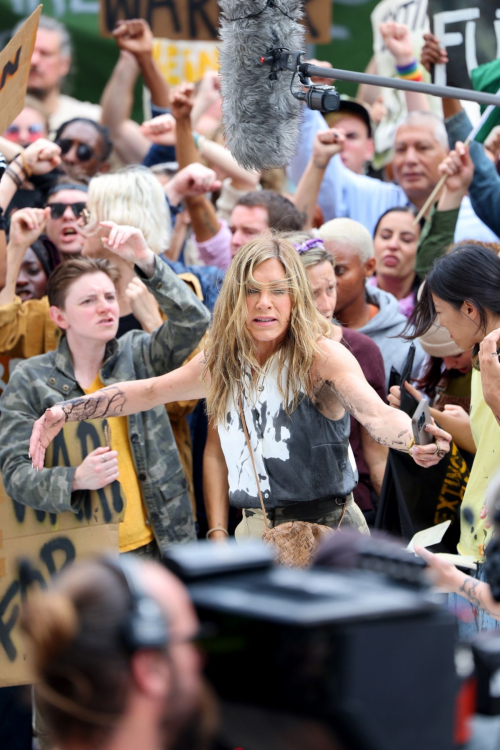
116	668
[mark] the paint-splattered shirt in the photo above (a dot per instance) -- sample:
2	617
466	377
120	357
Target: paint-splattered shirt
304	456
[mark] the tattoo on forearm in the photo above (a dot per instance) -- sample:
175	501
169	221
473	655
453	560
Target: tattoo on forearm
471	590
208	220
108	402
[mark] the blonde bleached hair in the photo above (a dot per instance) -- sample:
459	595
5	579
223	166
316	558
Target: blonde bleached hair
231	350
131	196
349	232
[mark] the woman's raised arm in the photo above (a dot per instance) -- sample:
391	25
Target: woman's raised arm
117	400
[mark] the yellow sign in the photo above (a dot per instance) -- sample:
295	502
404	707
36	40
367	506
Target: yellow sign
185	61
14	70
50	541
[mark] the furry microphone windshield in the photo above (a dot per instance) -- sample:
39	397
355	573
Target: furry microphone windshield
261	117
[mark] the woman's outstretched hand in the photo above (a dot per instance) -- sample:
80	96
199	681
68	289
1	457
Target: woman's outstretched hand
45	430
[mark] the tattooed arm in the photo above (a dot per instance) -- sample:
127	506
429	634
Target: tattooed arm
445	575
342	379
116	400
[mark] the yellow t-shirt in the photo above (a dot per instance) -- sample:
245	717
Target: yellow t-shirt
486	434
134	530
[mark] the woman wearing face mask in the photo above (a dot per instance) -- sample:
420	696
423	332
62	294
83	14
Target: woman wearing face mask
395	244
370	456
462	288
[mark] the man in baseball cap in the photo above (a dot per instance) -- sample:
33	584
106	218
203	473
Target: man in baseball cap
353	118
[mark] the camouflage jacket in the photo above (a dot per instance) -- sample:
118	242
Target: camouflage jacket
39	382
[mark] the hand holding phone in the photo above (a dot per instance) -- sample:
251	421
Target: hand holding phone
421	417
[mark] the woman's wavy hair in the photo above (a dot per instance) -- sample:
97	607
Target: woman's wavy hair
231	350
131	196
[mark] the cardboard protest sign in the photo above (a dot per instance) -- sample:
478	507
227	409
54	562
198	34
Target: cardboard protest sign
14	69
185	61
470	31
199	19
51	541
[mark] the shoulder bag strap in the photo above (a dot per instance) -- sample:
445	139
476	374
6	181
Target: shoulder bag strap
243	422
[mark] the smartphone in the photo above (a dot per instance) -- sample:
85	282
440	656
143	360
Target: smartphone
421	417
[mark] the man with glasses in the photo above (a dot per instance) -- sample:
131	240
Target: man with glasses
66	201
50	66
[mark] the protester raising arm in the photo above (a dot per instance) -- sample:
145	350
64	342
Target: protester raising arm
161	130
117	101
327	143
397	39
26	226
485	186
439	228
213	238
136	38
38	158
208	95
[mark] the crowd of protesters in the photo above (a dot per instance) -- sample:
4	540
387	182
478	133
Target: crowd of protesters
127	250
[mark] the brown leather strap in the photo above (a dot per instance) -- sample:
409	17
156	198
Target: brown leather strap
342	516
244	423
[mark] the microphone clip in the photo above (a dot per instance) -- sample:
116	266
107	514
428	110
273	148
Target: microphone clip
323	98
280	58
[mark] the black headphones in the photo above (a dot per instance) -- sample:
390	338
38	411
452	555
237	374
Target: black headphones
145	626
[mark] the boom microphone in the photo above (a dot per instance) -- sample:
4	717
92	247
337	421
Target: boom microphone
261	117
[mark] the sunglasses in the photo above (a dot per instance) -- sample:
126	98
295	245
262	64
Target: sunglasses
83	152
34	129
57	209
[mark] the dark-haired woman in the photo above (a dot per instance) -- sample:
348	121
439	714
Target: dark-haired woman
463	289
395	242
445	380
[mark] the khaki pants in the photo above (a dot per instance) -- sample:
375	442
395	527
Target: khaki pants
327	513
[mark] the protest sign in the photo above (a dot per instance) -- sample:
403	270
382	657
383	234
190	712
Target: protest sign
185	61
50	541
199	19
470	32
14	69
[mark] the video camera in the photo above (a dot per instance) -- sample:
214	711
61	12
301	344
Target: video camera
324	659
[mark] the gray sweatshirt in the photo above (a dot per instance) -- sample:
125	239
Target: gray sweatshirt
389	322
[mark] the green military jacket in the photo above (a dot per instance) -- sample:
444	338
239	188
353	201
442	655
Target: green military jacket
40	382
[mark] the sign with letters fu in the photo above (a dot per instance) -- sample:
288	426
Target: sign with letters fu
50	541
199	19
470	32
14	70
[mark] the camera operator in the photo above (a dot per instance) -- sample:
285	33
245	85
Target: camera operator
116	669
